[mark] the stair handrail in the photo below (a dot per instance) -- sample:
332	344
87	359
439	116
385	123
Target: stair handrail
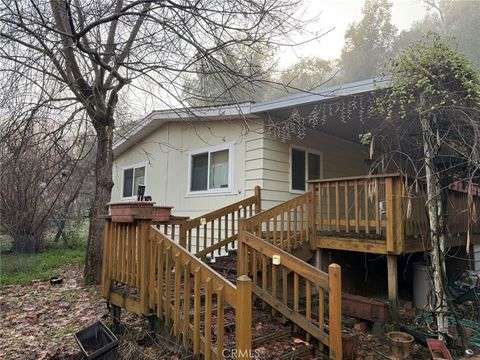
287	225
219	226
256	255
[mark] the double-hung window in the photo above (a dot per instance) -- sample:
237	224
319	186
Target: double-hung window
132	178
305	165
210	170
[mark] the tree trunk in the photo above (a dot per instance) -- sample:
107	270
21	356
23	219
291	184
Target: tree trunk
103	191
435	214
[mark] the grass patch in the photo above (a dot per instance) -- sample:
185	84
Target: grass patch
22	268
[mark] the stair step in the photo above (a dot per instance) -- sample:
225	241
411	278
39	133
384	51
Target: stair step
299	353
270	337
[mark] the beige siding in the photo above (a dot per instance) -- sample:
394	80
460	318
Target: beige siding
339	158
258	160
166	153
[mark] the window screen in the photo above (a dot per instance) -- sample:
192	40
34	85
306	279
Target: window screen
219	169
139	179
199	172
127	182
132	178
298	170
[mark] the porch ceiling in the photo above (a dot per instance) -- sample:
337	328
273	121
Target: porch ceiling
342	112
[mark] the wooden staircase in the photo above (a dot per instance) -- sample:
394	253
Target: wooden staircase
199	278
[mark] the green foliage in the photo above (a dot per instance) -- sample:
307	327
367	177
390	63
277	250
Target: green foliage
23	268
368	43
433	79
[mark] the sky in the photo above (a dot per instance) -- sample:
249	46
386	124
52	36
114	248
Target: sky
336	15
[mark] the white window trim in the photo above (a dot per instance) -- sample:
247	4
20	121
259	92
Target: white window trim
307	151
223	191
133	166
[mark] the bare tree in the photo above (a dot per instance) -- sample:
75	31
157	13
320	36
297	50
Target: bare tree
78	55
432	134
41	176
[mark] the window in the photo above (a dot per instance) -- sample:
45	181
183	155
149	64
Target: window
132	178
210	170
304	166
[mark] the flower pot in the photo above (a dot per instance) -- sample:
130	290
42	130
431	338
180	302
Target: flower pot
161	213
128	211
400	344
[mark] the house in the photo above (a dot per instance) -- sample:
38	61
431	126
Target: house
293	168
203	159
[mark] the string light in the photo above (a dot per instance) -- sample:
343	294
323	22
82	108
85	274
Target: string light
342	110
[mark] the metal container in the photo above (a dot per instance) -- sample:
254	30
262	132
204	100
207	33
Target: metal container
97	342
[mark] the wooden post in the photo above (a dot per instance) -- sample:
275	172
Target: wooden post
144	263
243	318
258	200
106	262
311	209
390	216
335	311
398	228
393	286
319	259
116	312
183	234
241	266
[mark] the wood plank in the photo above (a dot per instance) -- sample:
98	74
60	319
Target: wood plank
291	262
243	318
295	317
176	294
351	244
337	206
161	274
186	304
347	208
390	216
393	286
220	320
367	212
208	318
335	311
196	312
357	210
308	302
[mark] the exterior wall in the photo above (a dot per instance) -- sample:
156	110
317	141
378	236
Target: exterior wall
271	157
258	160
165	153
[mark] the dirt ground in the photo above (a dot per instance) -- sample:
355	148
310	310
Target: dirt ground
38	320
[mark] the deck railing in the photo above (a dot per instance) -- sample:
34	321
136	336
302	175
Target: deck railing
360	207
382	210
288	225
147	272
304	302
214	233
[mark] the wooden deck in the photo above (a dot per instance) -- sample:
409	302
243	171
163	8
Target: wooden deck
379	214
162	264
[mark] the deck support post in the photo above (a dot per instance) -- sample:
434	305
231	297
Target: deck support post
319	259
115	313
393	286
